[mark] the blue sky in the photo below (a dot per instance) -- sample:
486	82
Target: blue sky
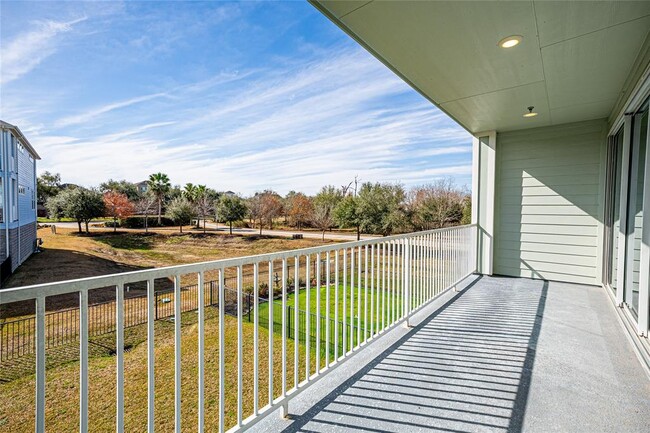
237	96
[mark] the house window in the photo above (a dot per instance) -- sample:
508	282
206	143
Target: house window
14	200
33	199
21	190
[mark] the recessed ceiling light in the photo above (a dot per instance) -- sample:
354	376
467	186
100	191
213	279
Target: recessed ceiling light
510	41
530	113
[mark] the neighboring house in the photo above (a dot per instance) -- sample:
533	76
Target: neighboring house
17	197
143	186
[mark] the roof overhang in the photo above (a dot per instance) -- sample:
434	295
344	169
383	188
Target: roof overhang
577	60
21	137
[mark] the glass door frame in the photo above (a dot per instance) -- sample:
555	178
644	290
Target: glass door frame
637	160
627	201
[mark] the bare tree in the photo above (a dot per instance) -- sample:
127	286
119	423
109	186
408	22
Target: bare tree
271	206
146	206
323	219
204	207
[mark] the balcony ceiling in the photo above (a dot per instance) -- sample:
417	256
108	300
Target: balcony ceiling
572	64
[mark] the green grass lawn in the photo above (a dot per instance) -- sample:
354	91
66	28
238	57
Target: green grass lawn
62	387
373	317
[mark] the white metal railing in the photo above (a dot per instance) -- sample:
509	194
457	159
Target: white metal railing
363	289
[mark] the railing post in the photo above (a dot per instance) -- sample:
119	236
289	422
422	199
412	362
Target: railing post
407	282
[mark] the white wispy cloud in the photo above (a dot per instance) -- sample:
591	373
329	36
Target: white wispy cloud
27	50
320	122
289	123
90	114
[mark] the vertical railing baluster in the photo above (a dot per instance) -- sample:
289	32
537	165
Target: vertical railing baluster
222	350
394	282
271	308
201	354
240	348
83	361
177	353
345	301
318	307
328	338
119	357
409	280
438	260
151	317
358	297
336	306
400	277
307	315
383	286
284	411
377	276
372	291
256	338
427	266
365	296
419	271
352	325
296	310
40	364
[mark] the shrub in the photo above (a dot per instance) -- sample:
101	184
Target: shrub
264	290
137	222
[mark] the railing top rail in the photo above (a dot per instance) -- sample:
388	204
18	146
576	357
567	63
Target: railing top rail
82	284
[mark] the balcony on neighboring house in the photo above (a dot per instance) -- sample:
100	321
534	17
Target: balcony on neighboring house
533	318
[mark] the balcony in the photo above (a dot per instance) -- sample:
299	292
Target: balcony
399	335
500	354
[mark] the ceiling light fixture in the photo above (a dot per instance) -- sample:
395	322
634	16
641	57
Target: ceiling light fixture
510	41
530	113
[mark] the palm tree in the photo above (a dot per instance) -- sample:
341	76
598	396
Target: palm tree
190	192
201	191
159	185
202	204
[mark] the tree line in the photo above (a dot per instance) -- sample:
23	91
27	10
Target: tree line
374	208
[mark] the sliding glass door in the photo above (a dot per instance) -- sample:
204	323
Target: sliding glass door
613	209
626	220
635	209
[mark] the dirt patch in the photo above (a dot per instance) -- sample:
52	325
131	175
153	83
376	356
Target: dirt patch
69	255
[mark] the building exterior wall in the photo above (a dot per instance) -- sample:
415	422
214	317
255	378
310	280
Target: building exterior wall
21	244
548	206
18	199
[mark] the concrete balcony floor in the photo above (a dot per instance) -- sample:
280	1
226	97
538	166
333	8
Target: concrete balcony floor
502	354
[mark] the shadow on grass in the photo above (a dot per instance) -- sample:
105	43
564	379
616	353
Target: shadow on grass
53	265
127	241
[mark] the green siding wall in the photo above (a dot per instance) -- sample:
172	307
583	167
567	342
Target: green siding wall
548	205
